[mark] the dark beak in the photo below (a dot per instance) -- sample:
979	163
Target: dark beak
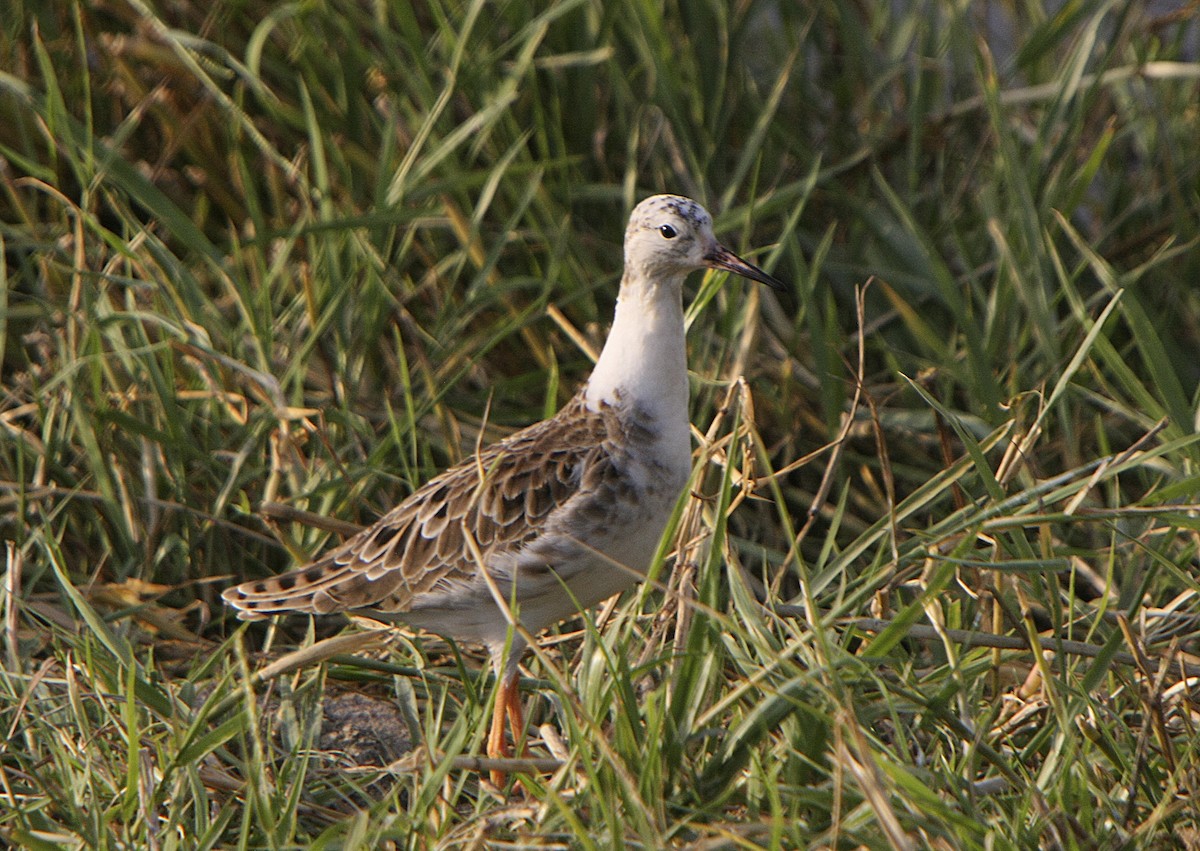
722	258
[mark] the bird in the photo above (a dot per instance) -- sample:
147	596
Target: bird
556	517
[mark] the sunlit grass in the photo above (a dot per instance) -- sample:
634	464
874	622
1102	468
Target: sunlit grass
936	583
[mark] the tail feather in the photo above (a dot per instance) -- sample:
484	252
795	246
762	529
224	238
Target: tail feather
320	588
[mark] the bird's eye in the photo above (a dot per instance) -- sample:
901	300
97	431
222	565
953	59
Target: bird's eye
667	231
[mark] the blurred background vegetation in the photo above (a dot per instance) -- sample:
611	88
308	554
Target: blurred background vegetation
308	252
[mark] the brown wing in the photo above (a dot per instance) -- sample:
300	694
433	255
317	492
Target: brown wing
504	496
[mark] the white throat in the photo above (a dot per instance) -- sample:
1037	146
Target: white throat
644	361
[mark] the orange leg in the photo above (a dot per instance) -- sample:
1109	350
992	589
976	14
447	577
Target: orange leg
516	721
507	705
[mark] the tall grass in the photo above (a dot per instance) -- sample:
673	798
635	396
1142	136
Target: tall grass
937	581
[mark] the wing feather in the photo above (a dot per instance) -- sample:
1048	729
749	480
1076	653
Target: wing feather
505	496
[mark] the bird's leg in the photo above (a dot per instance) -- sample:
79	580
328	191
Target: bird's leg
507	704
496	745
516	721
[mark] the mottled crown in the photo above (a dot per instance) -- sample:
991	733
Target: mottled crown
649	214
